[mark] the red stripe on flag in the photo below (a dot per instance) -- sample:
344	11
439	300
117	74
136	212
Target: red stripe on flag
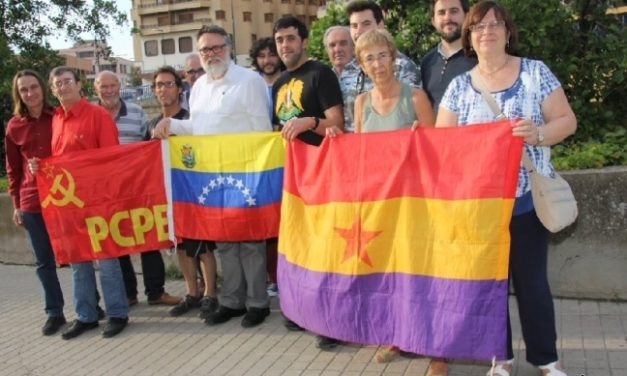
226	224
450	163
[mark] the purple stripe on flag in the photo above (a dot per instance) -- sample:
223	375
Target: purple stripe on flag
448	318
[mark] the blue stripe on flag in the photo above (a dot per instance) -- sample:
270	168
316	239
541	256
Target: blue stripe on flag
228	190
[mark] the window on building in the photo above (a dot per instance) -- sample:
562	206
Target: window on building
301	18
220	15
285	1
151	48
85	54
312	19
185	44
167	46
267	1
163	20
108	67
186	18
248	16
268	17
253	37
299	2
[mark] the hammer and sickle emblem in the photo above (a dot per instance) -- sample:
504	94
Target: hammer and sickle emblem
66	192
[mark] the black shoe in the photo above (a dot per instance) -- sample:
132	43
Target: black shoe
223	314
77	328
292	326
114	326
255	316
208	305
101	313
183	307
52	325
326	343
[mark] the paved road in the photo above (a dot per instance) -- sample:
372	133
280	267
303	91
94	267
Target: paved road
592	342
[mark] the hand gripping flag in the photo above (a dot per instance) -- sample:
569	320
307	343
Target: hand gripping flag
227	187
401	238
104	203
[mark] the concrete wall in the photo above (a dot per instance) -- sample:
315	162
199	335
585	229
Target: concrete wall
586	260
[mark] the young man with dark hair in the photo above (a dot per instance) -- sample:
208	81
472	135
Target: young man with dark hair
446	60
265	60
307	100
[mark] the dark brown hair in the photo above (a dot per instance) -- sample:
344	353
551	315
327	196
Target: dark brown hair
476	14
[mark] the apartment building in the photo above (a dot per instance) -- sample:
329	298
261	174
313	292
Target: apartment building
80	53
166	29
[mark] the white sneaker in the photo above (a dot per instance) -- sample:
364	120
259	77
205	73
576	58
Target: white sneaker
273	289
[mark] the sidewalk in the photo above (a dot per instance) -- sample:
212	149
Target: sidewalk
592	342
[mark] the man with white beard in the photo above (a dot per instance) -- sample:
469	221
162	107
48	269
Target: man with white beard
229	99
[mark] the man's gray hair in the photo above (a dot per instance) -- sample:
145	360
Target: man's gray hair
333	28
215	29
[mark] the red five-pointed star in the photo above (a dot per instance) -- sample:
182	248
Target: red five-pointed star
356	241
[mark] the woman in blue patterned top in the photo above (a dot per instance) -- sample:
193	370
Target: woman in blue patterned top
524	89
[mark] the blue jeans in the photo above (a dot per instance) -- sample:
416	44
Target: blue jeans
45	262
112	284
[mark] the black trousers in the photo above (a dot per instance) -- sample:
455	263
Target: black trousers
153	274
528	272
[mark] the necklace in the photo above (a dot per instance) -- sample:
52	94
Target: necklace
490	74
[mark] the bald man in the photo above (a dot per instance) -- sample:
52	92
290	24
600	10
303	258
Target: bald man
131	121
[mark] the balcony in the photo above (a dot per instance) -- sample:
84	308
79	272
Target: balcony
147	7
173	27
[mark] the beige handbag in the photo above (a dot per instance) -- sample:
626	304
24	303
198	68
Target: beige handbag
553	199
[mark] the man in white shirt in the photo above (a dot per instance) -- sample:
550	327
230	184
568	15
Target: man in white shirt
229	99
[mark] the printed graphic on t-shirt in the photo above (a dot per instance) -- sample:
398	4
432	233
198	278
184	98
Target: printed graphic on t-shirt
289	100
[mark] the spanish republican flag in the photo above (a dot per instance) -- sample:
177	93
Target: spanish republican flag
401	238
104	203
227	187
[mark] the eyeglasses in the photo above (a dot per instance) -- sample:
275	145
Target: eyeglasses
383	56
483	26
162	84
195	71
62	83
214	49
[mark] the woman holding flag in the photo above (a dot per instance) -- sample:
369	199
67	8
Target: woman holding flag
523	89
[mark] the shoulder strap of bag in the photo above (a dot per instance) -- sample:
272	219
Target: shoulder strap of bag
479	84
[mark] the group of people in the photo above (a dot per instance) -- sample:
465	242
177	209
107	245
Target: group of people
370	87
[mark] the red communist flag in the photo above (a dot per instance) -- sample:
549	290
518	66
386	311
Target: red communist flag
104	203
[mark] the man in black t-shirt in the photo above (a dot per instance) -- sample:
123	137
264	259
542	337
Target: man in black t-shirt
307	100
307	97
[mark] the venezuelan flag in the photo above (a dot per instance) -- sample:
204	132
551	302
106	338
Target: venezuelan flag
401	238
226	187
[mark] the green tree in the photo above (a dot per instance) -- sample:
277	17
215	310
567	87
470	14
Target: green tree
27	25
135	76
335	16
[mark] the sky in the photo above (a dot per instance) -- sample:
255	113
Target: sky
120	39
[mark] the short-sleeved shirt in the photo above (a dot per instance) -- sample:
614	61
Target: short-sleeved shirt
84	126
437	71
26	138
353	81
522	100
131	122
307	91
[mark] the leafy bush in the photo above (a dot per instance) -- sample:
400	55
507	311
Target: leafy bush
612	150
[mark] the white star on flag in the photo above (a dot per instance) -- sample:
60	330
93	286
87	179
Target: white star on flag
239	184
230	180
201	199
251	201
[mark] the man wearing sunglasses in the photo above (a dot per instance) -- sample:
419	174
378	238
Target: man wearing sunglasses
193	71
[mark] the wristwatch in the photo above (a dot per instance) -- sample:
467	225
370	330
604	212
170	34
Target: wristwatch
540	135
317	120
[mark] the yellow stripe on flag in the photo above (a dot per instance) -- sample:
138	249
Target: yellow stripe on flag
250	152
461	239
